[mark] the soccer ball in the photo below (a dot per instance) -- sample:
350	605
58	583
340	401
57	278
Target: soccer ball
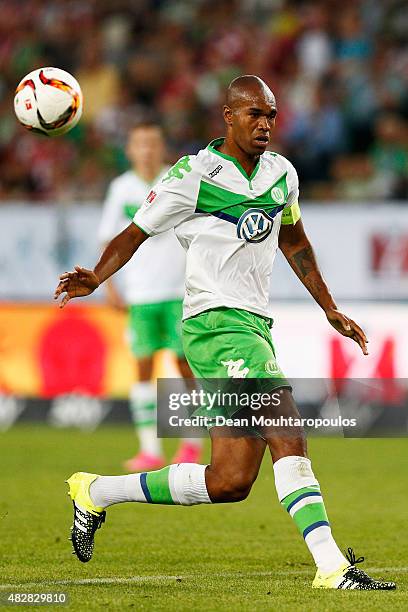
48	101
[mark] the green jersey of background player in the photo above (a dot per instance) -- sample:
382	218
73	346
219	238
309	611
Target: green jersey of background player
231	206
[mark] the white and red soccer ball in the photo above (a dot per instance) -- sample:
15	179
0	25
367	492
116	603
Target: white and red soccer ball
48	101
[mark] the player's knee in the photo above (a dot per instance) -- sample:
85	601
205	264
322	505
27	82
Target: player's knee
229	487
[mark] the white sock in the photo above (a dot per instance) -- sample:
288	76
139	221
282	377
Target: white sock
108	490
299	493
182	484
149	442
326	554
143	409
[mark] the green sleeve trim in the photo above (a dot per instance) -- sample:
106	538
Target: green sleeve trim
142	229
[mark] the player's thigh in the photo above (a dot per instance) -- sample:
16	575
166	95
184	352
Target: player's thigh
144	367
144	335
170	318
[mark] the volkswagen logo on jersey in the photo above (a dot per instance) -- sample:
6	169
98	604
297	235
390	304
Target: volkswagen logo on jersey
254	225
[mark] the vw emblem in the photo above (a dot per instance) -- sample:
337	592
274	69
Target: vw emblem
278	195
254	225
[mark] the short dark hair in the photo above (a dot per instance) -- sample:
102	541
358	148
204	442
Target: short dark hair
145	122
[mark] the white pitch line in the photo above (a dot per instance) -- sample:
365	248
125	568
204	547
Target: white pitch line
161	577
147	578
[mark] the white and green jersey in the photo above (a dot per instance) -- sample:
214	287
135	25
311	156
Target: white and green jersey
156	271
227	222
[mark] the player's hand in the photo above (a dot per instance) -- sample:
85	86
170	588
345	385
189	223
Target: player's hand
347	327
79	283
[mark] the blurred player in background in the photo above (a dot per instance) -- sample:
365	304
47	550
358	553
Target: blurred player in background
153	292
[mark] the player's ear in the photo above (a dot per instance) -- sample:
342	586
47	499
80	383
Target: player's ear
227	112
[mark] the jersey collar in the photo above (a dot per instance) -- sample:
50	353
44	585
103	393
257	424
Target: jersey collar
217	142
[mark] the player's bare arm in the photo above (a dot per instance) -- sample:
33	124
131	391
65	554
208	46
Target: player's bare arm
82	282
113	295
298	251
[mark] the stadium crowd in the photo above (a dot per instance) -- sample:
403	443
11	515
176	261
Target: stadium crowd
339	69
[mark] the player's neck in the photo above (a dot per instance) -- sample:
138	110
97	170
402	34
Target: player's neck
248	162
147	174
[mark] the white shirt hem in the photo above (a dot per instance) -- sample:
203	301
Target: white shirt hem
187	314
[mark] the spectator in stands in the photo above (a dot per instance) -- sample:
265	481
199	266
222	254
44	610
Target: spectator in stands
336	68
99	81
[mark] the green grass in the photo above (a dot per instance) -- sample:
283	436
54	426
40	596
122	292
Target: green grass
245	556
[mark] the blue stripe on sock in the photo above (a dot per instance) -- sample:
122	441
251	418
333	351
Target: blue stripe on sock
315	526
144	487
295	501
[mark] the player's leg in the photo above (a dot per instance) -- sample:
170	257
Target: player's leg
242	344
190	449
297	488
144	342
234	467
300	495
235	463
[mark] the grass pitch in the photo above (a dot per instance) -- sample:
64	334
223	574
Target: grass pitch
245	556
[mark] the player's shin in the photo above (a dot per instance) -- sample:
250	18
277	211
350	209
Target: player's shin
143	409
182	484
299	493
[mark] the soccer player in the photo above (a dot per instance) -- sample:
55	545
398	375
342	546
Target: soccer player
153	292
231	206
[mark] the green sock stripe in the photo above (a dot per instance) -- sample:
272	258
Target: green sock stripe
310	514
158	486
145	423
149	404
138	407
142	413
287	501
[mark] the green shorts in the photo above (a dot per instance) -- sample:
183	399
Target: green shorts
153	327
227	343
